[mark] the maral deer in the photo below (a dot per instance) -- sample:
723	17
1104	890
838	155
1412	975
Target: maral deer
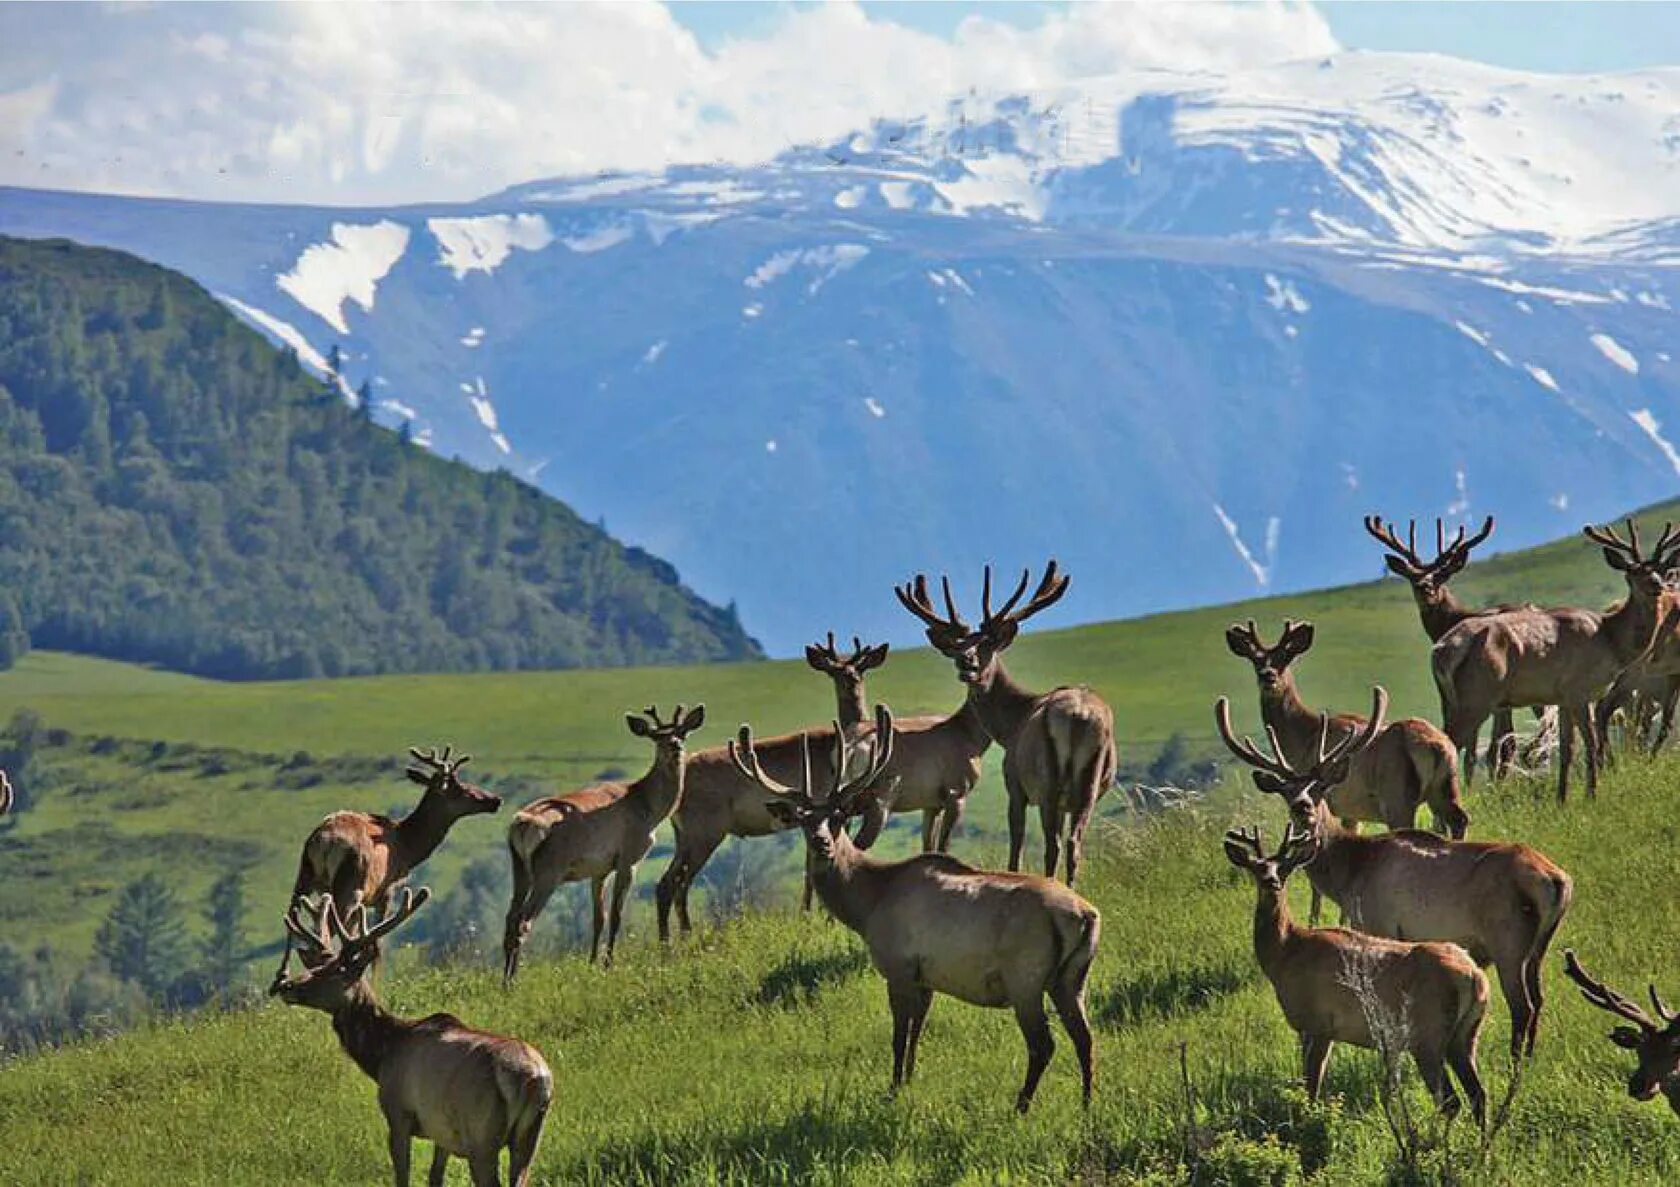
1649	688
935	762
1564	657
936	925
359	857
1657	1044
1438	607
600	832
1500	902
1058	746
1336	985
468	1092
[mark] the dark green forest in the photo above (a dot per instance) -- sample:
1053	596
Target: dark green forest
175	490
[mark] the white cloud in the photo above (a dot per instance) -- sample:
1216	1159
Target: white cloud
401	102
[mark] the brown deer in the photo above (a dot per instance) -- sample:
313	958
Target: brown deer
470	1093
1438	607
359	857
1500	902
1058	746
935	925
600	832
936	760
1563	656
1409	763
1336	985
1648	688
1656	1044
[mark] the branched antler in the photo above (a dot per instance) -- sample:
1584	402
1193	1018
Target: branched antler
1605	998
430	763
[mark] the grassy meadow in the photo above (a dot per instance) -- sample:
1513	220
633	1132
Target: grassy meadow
759	1051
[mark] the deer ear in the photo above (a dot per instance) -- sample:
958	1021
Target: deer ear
782	812
694	720
1398	567
638	725
1301	638
1626	1036
1236	855
420	777
814	657
875	656
1237	642
1003	633
1270	783
1617	561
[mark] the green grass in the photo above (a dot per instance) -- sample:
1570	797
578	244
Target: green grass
760	1053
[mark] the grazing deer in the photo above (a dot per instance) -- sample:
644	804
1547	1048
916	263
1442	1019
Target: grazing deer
359	857
1058	746
1438	607
1564	656
936	925
602	831
936	760
1500	902
468	1092
1336	985
1410	762
1656	1044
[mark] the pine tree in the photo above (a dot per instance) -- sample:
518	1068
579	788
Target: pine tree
224	913
364	400
405	432
143	939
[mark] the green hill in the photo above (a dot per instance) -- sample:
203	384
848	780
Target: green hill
173	490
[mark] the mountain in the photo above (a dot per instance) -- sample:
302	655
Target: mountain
1177	330
175	490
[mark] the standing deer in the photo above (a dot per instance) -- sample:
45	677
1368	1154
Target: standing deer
1656	1044
1438	607
1564	657
360	857
600	832
1058	746
1336	985
470	1093
935	925
1500	902
1650	686
1409	763
936	760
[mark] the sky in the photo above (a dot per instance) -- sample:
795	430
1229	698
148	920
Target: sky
386	103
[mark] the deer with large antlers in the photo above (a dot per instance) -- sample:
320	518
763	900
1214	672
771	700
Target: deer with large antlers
1500	902
1335	985
1409	763
468	1092
936	760
1438	607
600	832
1058	746
935	925
360	857
1563	656
1657	1044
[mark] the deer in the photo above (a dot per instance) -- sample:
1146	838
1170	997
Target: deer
469	1092
936	760
1657	1044
1426	998
1410	762
1563	656
597	833
1502	902
1058	746
360	857
1650	686
1438	607
934	924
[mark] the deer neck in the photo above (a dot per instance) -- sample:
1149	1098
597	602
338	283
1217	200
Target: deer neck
1283	709
852	707
367	1031
661	788
1439	611
417	835
1272	928
1334	870
1001	704
967	720
847	881
1628	628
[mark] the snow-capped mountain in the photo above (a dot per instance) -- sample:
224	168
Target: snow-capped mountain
1179	331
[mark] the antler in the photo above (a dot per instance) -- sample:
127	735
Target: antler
1629	548
1357	739
1050	589
880	755
745	758
1247	840
1384	534
913	596
1299	847
1605	998
1449	556
1245	748
357	934
1328	756
437	764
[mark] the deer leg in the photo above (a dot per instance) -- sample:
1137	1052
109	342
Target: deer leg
1513	984
1566	750
930	828
1017	822
1502	744
399	1138
902	998
1461	1057
486	1171
950	818
1671	694
924	1002
623	880
1069	1000
440	1167
522	1146
517	926
1315	1055
1589	735
1035	1028
1050	821
690	858
1432	1069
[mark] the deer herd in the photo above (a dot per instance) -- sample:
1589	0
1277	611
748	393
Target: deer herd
1424	912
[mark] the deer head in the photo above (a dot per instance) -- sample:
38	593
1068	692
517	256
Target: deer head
440	775
1656	1044
1426	577
1270	663
667	736
336	951
1645	572
975	650
1243	849
1301	788
821	820
847	672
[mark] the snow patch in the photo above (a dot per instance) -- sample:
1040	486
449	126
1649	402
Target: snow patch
1461	489
348	267
473	337
1541	376
1472	333
1653	430
651	355
751	311
1283	296
483	243
599	239
874	406
896	194
1559	501
288	335
827	261
1262	571
770	446
1616	353
851	197
401	409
